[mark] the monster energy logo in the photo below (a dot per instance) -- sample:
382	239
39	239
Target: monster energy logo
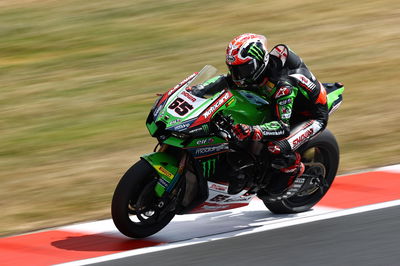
209	167
205	128
256	52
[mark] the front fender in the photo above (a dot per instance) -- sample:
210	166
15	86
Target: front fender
166	167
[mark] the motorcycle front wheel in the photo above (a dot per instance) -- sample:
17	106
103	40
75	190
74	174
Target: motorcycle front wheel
136	210
323	151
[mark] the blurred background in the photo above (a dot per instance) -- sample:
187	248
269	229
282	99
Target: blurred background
78	79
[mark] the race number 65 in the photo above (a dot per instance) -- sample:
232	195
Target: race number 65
180	106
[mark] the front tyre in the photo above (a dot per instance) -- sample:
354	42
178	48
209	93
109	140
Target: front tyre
322	151
136	210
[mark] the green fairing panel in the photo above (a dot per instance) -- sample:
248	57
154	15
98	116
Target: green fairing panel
174	141
249	108
166	167
152	127
333	96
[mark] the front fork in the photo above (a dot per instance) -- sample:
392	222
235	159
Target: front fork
170	171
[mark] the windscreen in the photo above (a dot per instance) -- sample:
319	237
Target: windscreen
205	74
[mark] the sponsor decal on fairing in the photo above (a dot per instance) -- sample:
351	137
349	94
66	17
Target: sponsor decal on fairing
218	187
181	127
176	121
164	171
189	96
211	149
208	113
163	183
185	104
209	167
216	105
183	82
213	207
239	199
219	198
174	89
205	141
196	130
157	111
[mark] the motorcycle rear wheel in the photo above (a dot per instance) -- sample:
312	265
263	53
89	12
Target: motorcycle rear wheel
136	210
323	149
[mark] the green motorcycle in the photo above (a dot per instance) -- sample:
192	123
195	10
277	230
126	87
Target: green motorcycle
196	157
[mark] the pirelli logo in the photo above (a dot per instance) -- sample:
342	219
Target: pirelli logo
164	171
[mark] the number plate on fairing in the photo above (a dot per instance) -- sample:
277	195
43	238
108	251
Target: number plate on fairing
184	104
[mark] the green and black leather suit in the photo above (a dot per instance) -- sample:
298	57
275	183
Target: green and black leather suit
299	106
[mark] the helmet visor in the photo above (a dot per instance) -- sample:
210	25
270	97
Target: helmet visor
243	71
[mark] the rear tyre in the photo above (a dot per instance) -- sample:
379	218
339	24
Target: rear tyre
136	210
323	151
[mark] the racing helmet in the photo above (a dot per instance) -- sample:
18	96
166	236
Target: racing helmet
246	58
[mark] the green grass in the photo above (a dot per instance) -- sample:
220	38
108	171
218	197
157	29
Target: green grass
78	79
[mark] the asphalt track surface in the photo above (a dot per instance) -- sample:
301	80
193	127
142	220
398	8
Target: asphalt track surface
370	238
356	223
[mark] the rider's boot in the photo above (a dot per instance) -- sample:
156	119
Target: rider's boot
237	183
288	181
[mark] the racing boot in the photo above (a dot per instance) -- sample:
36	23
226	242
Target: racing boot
314	176
237	183
288	181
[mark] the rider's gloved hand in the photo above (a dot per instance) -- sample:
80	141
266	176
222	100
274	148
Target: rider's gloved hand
246	132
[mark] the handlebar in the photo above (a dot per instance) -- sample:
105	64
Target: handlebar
224	124
223	128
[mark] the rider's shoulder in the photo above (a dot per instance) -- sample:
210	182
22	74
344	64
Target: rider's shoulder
287	56
283	89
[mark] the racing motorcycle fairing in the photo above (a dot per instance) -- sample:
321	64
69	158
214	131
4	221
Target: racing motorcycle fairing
166	167
182	119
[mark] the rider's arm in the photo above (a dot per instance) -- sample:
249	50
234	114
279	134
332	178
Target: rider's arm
282	100
282	103
211	86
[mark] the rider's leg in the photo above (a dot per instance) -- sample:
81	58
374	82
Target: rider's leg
287	160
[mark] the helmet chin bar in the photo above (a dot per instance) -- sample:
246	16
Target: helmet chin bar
259	71
262	67
240	82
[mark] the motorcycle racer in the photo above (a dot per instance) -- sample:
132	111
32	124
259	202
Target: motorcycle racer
297	98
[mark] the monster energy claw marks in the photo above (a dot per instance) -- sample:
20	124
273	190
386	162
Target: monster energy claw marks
256	52
209	167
